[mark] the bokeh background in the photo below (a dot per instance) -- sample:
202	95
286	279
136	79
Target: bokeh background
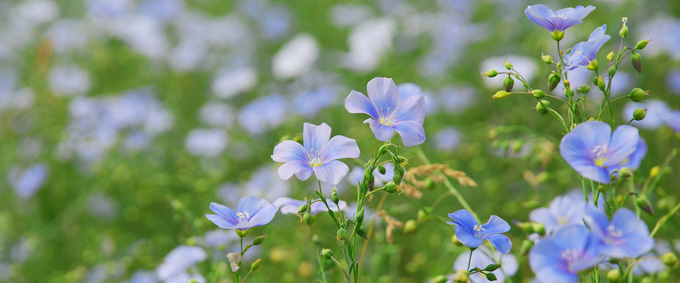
121	120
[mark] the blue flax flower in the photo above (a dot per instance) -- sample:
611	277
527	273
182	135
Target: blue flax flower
594	151
560	258
471	234
672	119
251	212
389	113
317	156
559	20
624	236
586	51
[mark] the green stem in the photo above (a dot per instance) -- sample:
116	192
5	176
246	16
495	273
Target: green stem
470	258
330	212
662	221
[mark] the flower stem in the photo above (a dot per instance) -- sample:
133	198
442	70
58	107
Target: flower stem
470	258
662	221
330	212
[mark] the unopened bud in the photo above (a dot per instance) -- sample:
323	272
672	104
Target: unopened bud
593	65
643	203
547	59
259	239
410	227
501	94
391	187
655	171
538	93
491	277
585	88
642	44
557	35
334	196
539	228
360	216
303	208
600	83
543	106
327	253
361	231
341	235
639	114
507	65
553	81
490	73
602	188
492	267
398	175
508	83
614	275
637	94
526	247
440	279
307	218
255	265
193	281
421	214
636	60
624	31
382	169
611	71
610	55
669	259
625	172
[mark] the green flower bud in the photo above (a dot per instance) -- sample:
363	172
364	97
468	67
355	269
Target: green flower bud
429	183
526	227
421	214
553	81
410	227
557	35
639	114
643	203
501	94
508	65
585	88
624	31
334	196
547	59
593	65
611	71
241	233
491	277
508	83
193	281
669	259
307	218
642	44
361	231
490	73
255	265
526	247
600	83
360	216
341	235
382	169
259	239
390	187
625	172
539	228
398	175
327	253
610	56
538	93
637	94
382	150
303	208
492	267
440	279
636	60
613	275
543	106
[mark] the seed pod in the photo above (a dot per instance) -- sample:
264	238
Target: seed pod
553	81
490	73
637	94
508	83
642	44
636	60
639	114
543	106
538	93
501	94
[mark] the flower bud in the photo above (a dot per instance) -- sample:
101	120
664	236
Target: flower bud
360	216
490	73
593	65
637	94
639	114
669	259
491	277
455	241
625	172
259	239
461	276
429	183
421	214
391	187
602	188
440	279
624	31
655	171
255	265
538	93
307	218
543	106
642	44
547	59
610	55
636	60
585	88
643	203
526	227
361	231
557	35
492	267
303	208
398	175
539	228
526	247
600	83
501	94
553	81
341	235
507	65
382	150
508	83
410	227
334	196
611	71
382	169
327	253
613	275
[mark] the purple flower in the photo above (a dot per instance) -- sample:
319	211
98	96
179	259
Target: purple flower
251	212
471	234
624	236
559	258
585	51
559	20
592	150
318	155
389	113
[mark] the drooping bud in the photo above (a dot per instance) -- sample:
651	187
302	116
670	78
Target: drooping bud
623	32
307	218
508	83
600	83
585	88
669	259
593	65
611	71
341	235
639	114
327	253
643	203
382	169
259	239
255	265
334	196
507	65
539	228
637	94
610	55
543	106
303	208
538	93
492	267
391	187
491	277
625	172
382	150
613	275
641	44
490	73
501	94
361	231
526	247
547	59
636	60
557	35
410	227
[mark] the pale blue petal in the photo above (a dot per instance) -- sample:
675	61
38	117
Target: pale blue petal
562	24
412	133
304	174
220	221
556	274
500	242
289	151
357	102
315	137
224	212
252	205
264	216
579	12
495	225
623	143
464	218
466	237
412	109
298	168
381	132
545	254
633	161
600	31
331	172
596	220
384	95
572	237
340	147
635	232
577	148
539	14
672	119
408	90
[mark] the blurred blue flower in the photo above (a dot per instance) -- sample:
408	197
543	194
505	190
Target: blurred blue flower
656	109
584	52
143	276
447	139
179	260
263	114
206	142
290	206
673	81
483	257
672	119
560	258
471	234
317	156
28	181
592	150
559	20
625	236
389	113
251	212
563	210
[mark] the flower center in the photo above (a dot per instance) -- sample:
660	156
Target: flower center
385	117
571	257
600	152
243	216
562	220
613	232
314	158
478	229
385	121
